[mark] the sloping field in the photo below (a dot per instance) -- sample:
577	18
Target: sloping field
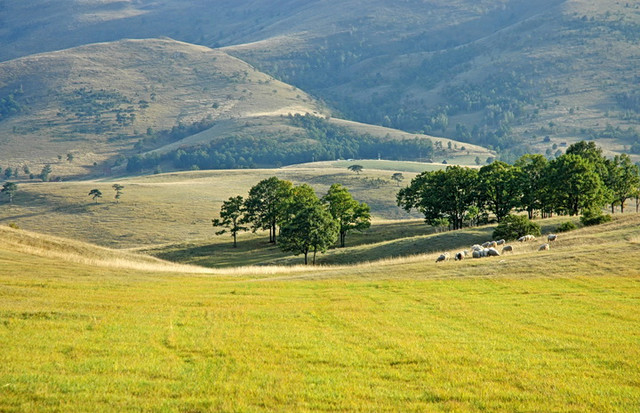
549	331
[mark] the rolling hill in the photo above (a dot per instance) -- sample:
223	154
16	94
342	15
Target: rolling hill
515	75
105	102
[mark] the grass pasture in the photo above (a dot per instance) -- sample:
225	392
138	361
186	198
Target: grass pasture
548	331
172	207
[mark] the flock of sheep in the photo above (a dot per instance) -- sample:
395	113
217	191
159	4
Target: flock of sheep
490	248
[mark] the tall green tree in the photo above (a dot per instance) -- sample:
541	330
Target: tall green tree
440	194
623	180
498	188
231	214
350	214
95	193
10	189
530	179
575	185
266	203
311	229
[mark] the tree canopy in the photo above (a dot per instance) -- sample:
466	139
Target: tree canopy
231	214
350	214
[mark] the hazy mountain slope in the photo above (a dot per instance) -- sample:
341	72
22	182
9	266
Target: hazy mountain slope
505	73
96	101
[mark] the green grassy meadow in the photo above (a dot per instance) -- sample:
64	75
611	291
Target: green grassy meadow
549	331
378	326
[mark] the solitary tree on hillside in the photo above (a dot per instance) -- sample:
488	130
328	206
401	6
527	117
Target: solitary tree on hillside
398	177
95	193
356	168
230	217
9	188
118	188
350	214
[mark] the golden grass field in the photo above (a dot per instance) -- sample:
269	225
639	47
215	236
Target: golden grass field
88	328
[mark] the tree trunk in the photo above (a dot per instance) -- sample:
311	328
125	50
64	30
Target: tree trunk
305	256
622	207
235	244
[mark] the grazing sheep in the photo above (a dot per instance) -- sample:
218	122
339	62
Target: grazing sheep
476	254
552	237
460	256
486	244
543	247
492	252
443	257
500	242
507	248
526	238
476	247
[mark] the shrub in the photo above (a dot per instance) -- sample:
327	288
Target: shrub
566	227
514	227
594	217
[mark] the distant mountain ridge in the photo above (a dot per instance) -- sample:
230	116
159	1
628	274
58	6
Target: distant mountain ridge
513	75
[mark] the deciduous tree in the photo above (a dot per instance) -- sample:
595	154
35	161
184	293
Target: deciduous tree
231	215
350	214
266	203
95	193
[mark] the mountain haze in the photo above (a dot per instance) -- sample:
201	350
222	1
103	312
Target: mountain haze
512	75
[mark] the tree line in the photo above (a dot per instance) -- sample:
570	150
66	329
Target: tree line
322	141
298	220
581	180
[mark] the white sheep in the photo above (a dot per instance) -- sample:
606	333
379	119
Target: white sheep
500	242
552	237
507	248
443	257
492	252
543	247
460	255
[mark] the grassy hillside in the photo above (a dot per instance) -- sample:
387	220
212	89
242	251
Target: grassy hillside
548	331
86	110
169	208
97	101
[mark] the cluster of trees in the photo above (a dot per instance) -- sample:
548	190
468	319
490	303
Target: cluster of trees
323	141
297	220
580	180
10	172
